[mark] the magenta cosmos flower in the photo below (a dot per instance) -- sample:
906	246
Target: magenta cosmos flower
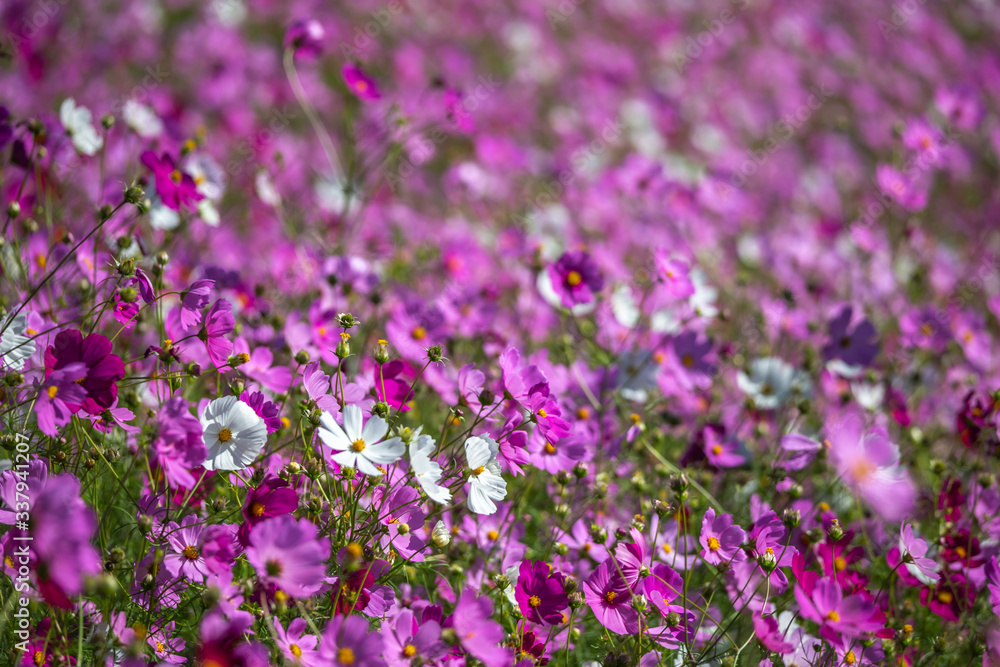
287	553
837	615
174	187
575	278
539	594
609	597
104	369
360	83
218	324
271	498
720	539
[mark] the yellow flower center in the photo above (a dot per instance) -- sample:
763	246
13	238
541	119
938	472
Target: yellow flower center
945	597
52	391
833	616
361	86
296	651
717	449
960	551
542	413
257	509
582	413
225	435
824	507
635	417
573	278
41	261
534	601
345	656
354	550
358	445
8	561
687	360
610	596
243	357
493	535
713	543
418	333
550	448
479	471
666	548
862	470
409	651
839	564
38	658
926	329
175	176
850	658
159	647
191	551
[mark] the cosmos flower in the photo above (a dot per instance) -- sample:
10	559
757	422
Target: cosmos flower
346	642
720	539
59	397
233	434
103	368
851	616
771	382
478	634
486	483
297	647
855	347
288	554
576	278
913	551
360	83
539	594
305	38
219	323
426	470
360	448
77	122
16	344
610	598
272	497
175	188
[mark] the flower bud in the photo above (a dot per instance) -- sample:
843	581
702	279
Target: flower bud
104	212
381	353
561	549
487	397
381	409
343	347
126	268
133	194
767	561
435	354
302	357
575	600
13	379
580	470
347	321
835	532
597	534
162	258
107	121
13	210
791	518
128	294
570	584
440	536
501	581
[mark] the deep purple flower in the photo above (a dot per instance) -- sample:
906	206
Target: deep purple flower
272	497
305	38
856	347
539	594
104	368
575	278
287	553
360	83
175	188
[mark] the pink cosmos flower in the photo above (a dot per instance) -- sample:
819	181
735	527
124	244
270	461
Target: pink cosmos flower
58	395
297	647
287	553
539	594
305	38
346	642
271	498
575	278
722	453
478	634
360	83
868	462
674	274
720	539
218	324
193	301
913	551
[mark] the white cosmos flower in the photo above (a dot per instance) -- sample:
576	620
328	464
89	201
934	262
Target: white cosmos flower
15	343
427	470
142	119
771	382
487	484
233	434
77	121
357	447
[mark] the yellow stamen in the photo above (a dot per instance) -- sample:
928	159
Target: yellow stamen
713	543
479	471
610	596
52	391
418	333
191	551
535	601
493	535
542	413
717	449
358	445
573	278
550	448
840	564
345	656
175	176
833	616
257	509
409	651
945	597
225	435
296	651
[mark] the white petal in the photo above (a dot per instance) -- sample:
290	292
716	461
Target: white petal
346	459
385	453
352	422
374	430
479	502
330	432
478	451
493	485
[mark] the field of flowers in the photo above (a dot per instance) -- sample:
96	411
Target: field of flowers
573	332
